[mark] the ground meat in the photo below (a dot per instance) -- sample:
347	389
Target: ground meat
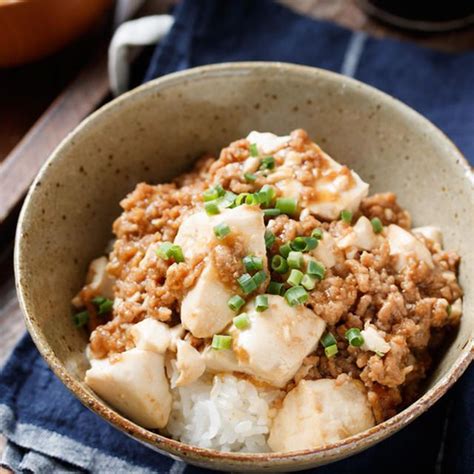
333	297
385	207
227	258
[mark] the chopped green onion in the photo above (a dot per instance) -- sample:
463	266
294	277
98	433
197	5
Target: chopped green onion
268	163
328	340
271	212
227	200
354	337
247	283
449	309
279	264
252	200
295	277
261	303
168	250
295	259
331	351
213	193
285	250
235	302
177	254
267	194
298	244
241	321
252	263
104	305
220	342
376	225
81	319
311	243
380	354
287	205
240	199
211	207
250	177
309	282
253	149
296	295
269	239
317	234
221	230
164	249
346	216
276	288
259	277
304	244
315	268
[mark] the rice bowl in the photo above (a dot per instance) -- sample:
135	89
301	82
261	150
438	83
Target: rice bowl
334	109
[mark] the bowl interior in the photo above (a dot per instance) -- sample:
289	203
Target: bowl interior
154	133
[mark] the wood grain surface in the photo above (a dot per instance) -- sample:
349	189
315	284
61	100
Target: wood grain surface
90	87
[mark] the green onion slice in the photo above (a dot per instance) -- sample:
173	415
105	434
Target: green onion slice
328	339
315	268
309	282
268	163
267	194
346	216
304	244
253	149
252	263
104	305
285	250
220	342
221	230
247	283
295	277
276	288
287	205
295	259
168	250
81	319
317	234
212	207
259	278
261	303
331	351
235	302
377	225
227	200
269	239
279	264
252	200
213	193
354	337
241	321
271	212
296	295
250	177
240	199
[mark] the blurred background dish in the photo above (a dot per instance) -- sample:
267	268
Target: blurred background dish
32	29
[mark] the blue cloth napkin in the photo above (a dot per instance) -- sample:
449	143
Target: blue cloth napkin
50	431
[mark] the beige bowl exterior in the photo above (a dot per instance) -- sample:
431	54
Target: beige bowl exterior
153	133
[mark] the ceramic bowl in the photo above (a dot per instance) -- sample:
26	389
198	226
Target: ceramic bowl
154	133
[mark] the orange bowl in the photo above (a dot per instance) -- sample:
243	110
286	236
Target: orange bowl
32	29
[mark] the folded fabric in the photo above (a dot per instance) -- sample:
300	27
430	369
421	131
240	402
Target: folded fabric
48	430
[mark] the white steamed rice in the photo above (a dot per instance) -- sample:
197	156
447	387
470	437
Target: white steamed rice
223	413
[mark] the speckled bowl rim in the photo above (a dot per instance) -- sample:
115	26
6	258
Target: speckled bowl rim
326	453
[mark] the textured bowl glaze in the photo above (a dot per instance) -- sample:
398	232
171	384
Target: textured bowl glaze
155	132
